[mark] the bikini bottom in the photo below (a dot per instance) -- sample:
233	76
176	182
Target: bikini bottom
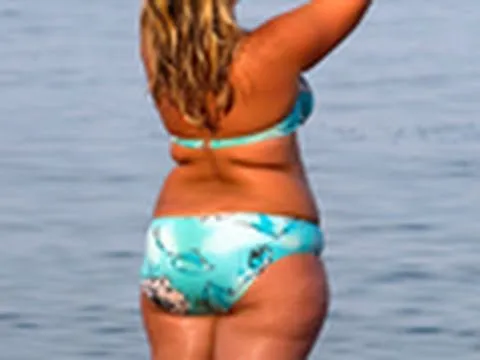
203	264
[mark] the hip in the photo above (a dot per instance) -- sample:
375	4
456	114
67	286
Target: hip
204	264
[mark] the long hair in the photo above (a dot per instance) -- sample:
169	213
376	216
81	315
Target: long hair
194	42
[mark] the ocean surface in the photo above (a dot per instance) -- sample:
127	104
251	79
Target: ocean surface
392	153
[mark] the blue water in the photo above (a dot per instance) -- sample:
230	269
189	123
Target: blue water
392	153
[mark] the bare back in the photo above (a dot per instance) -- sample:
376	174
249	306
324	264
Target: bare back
267	176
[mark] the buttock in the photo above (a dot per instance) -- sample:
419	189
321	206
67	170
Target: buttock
204	264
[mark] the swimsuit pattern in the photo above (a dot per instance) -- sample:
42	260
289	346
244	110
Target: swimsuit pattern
204	264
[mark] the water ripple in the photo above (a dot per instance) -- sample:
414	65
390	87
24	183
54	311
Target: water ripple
9	316
423	330
119	254
26	325
392	152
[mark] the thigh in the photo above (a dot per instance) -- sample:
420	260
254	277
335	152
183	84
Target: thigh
280	316
175	337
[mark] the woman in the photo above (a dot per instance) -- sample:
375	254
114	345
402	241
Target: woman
232	268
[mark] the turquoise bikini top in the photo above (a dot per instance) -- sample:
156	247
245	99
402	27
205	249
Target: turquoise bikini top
301	111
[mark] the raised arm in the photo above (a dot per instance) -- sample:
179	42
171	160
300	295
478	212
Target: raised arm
305	35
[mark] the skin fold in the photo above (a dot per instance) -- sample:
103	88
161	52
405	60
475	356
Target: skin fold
282	313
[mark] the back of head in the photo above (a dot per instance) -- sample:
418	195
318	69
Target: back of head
194	42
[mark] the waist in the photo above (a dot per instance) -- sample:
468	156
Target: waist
273	191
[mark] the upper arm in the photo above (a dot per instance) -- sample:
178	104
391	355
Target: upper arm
305	35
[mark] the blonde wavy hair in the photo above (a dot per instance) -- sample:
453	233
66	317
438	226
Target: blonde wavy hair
194	42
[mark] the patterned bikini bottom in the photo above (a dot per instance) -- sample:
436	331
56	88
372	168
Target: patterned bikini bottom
204	264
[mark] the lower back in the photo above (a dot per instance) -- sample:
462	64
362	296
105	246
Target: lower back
266	177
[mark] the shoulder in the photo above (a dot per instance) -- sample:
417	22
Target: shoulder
300	38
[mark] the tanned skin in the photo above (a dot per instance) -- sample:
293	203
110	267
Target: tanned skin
282	313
